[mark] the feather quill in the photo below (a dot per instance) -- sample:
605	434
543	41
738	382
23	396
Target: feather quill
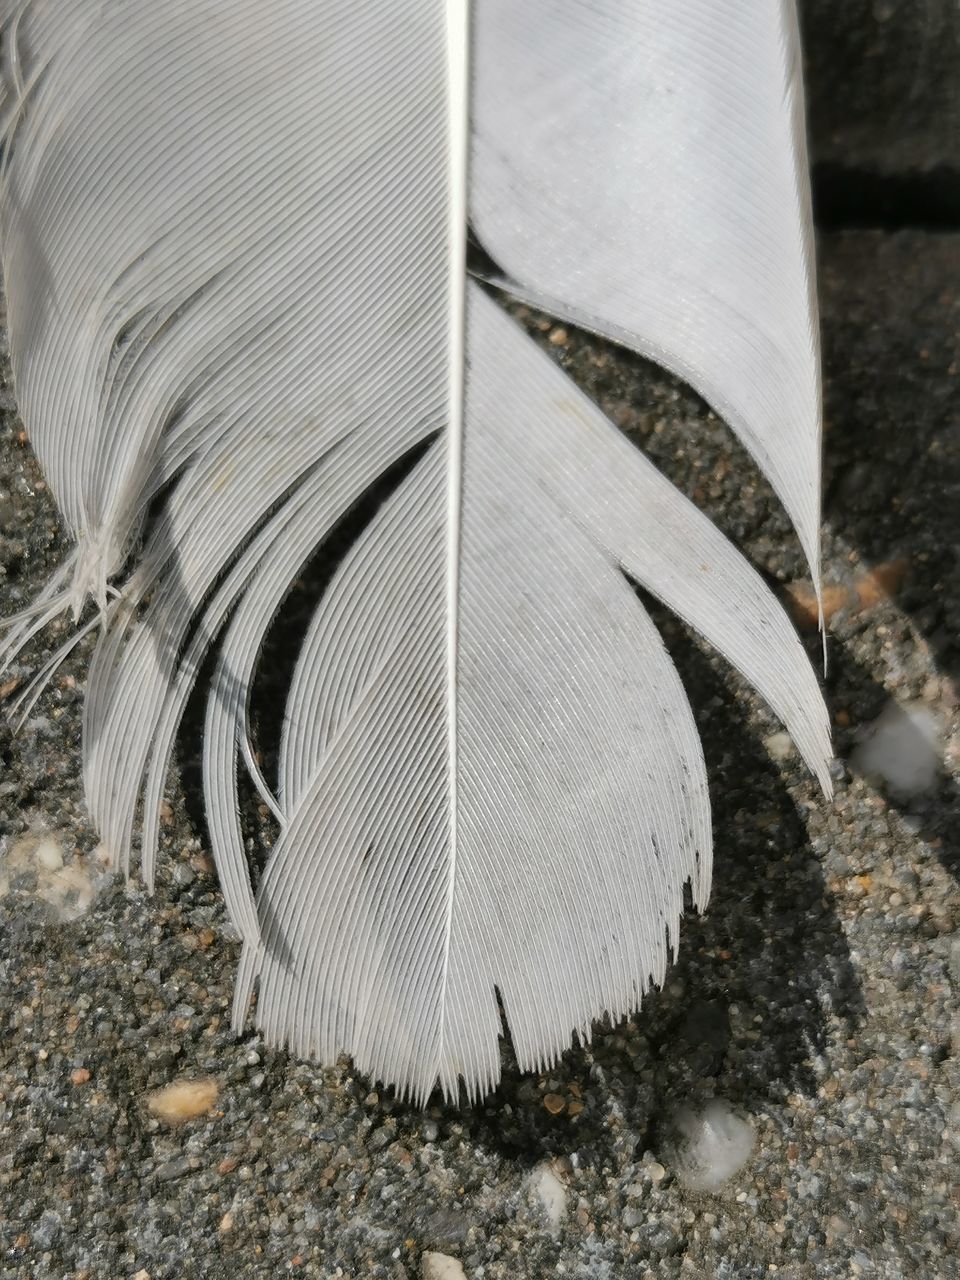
234	245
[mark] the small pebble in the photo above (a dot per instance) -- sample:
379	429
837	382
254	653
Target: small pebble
49	855
805	607
712	1144
882	582
901	750
182	1101
779	745
440	1266
548	1192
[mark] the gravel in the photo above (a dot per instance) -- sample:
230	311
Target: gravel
882	84
816	999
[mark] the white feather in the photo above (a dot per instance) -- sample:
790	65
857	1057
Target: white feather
233	240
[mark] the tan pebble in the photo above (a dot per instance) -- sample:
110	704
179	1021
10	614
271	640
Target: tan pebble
8	687
166	812
203	864
206	937
882	582
227	1164
554	1103
558	337
574	1089
142	1274
574	1108
829	1088
182	1101
226	1222
80	1076
803	604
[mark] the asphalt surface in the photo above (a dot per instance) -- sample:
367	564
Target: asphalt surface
817	998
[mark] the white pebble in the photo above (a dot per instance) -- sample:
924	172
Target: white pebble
901	750
713	1144
48	855
548	1192
440	1266
779	745
36	863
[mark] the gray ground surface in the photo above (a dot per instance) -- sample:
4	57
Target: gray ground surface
819	994
882	83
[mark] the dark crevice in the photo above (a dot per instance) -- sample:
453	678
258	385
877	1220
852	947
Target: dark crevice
843	199
858	199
